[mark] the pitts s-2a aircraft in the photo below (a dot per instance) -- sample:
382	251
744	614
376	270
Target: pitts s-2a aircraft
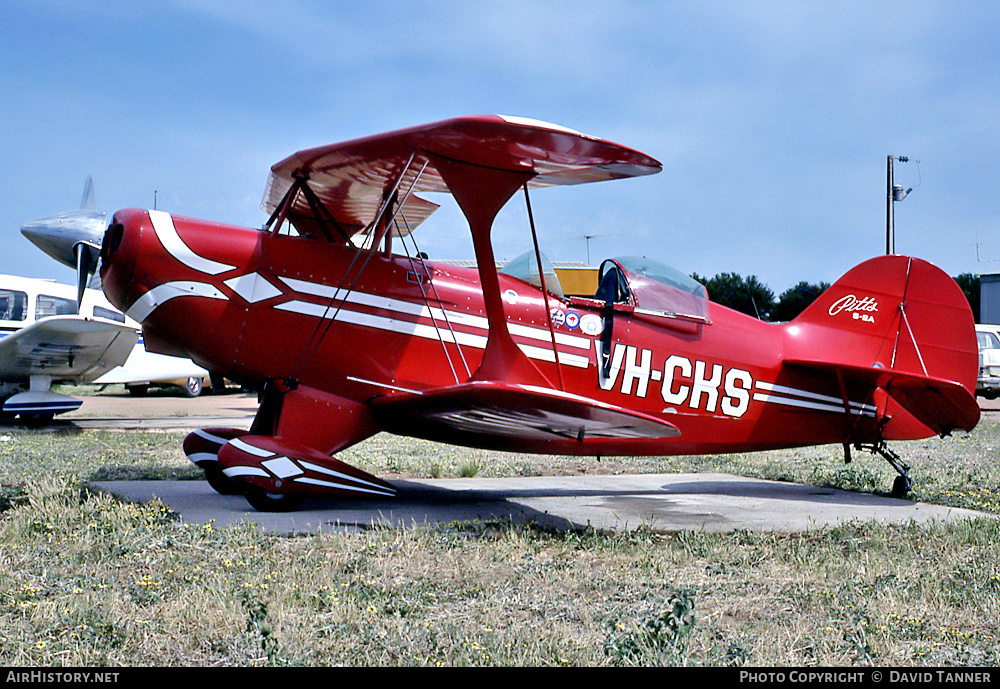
349	331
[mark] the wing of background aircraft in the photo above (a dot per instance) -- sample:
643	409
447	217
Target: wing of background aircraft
65	348
60	348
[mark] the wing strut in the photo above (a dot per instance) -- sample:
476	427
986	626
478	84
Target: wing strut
545	292
325	219
418	258
481	192
379	229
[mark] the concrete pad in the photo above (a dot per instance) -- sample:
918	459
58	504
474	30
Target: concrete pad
662	502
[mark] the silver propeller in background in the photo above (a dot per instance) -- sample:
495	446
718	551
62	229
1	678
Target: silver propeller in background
73	238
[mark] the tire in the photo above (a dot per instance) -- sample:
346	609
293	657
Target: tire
137	390
222	484
262	501
192	387
901	486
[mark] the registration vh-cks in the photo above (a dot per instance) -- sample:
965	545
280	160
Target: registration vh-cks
332	310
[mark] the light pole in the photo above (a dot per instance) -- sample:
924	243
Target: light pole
894	192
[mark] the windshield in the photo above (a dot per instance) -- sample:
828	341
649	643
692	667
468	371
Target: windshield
658	287
525	267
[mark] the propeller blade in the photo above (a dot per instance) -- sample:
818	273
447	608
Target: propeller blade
89	201
86	264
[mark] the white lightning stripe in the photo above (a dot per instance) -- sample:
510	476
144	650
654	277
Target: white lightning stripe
341	486
781	389
163	225
383	385
805	404
282	467
537	334
434	313
383	323
211	437
252	287
543	354
425	331
309	466
245	471
250	449
153	298
203	457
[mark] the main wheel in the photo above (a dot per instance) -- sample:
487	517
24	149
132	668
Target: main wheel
262	501
222	484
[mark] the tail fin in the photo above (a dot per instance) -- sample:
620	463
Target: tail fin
904	328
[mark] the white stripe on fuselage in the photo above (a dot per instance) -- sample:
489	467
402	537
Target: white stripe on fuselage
163	226
148	302
443	321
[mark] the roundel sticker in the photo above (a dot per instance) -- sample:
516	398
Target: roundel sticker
558	316
591	324
572	320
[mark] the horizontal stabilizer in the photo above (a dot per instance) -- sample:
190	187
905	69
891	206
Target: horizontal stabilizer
515	417
941	405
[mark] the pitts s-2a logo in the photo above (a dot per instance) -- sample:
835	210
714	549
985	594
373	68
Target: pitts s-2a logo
860	309
697	384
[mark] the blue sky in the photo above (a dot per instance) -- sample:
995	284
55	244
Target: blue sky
773	120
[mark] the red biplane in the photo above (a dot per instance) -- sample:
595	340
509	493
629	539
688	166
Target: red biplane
349	330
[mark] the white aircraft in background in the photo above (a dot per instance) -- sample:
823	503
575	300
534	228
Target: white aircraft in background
47	336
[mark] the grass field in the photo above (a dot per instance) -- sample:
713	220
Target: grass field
88	580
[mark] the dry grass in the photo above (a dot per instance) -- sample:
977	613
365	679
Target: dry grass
89	580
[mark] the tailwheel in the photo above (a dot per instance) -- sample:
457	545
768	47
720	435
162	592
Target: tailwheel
903	483
264	501
901	486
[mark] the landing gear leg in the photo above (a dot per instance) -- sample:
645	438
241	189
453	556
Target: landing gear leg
903	483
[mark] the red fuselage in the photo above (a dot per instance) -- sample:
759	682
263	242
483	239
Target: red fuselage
256	307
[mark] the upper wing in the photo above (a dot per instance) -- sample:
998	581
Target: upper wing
66	347
516	417
350	178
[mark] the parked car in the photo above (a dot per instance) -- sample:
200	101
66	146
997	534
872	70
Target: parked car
988	385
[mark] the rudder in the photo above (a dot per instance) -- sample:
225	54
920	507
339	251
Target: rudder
904	326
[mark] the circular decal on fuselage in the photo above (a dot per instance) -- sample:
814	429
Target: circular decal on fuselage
591	324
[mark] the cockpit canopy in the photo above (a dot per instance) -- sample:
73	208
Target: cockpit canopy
653	286
525	267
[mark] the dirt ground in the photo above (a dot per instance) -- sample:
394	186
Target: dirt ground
164	405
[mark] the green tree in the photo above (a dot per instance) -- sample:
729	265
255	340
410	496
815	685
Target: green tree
794	300
744	294
970	285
